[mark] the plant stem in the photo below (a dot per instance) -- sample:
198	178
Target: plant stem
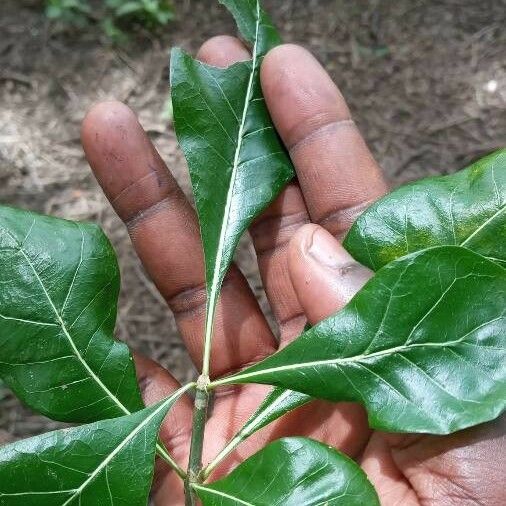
197	440
165	455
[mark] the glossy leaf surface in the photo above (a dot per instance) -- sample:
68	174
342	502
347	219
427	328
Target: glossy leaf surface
292	472
421	346
237	163
60	284
108	462
467	208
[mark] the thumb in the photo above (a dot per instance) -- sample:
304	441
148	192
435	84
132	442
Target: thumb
324	275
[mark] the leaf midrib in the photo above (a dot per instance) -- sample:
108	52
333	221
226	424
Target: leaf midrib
483	225
353	359
215	284
125	441
77	491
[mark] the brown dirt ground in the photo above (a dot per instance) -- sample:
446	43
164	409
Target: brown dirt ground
426	81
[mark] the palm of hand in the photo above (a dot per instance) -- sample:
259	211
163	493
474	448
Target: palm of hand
306	274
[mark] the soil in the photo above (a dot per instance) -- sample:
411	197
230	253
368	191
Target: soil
426	81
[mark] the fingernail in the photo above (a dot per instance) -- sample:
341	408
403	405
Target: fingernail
323	248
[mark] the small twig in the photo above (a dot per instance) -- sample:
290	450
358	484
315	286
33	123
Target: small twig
165	455
197	440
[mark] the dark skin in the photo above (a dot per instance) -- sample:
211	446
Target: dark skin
307	276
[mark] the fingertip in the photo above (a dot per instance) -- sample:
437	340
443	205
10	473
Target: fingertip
278	60
109	130
299	92
223	51
120	153
156	383
336	172
277	67
108	108
287	60
104	115
324	275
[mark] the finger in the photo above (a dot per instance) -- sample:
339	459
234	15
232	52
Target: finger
471	460
271	233
220	51
324	275
390	484
165	234
336	171
157	384
223	51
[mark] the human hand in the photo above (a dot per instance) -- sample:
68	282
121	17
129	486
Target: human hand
307	276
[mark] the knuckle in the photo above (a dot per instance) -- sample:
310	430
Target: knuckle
271	233
339	220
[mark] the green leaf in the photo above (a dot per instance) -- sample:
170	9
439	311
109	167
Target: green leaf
292	472
237	162
60	283
467	209
421	346
107	462
277	403
255	26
